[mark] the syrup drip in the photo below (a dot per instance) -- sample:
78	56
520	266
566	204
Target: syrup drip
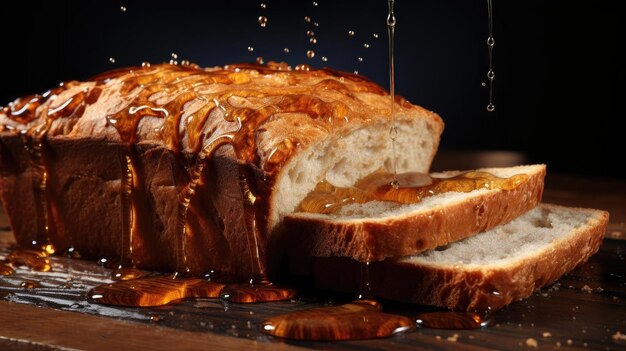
490	44
27	110
5	269
451	320
33	259
393	131
413	187
154	291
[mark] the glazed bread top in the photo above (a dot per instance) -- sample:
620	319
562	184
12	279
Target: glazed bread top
335	123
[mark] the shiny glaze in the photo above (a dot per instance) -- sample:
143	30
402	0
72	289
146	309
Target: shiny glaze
5	269
412	188
451	320
33	259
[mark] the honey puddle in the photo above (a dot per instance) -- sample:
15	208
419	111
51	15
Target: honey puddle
33	259
360	319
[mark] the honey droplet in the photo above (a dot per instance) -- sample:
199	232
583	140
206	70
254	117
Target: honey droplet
310	54
127	273
307	19
483	84
314	3
286	50
310	33
33	259
263	5
491	107
174	55
250	49
5	269
451	320
350	33
259	60
315	24
313	41
366	45
123	8
112	59
356	72
360	59
324	58
375	36
262	21
29	284
145	64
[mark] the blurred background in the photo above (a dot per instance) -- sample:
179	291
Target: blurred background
559	65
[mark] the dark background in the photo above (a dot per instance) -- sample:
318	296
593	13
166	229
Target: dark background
558	71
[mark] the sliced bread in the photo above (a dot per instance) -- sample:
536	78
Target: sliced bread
377	230
486	271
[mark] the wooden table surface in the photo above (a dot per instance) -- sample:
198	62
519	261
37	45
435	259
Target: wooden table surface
584	310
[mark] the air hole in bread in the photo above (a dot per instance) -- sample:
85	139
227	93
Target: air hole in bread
442	248
543	221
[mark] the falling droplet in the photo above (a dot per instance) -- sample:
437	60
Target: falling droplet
310	54
185	62
483	84
145	64
262	21
310	33
315	24
351	33
324	58
307	19
263	5
250	49
173	62
314	3
313	41
111	59
123	8
356	72
491	107
491	74
260	60
286	50
360	59
375	36
174	55
366	45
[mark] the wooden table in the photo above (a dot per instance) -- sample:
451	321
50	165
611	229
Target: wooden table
583	310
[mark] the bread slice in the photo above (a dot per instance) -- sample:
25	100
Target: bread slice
487	271
377	230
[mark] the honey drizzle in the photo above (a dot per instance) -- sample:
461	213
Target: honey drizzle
393	131
414	187
25	111
490	44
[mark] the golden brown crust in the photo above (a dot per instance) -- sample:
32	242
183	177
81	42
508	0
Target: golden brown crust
465	288
402	235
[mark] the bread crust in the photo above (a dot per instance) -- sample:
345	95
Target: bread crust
470	287
375	239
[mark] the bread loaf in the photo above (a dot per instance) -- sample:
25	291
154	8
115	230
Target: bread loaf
175	165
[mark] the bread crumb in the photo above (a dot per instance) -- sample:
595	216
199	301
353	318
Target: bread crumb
558	344
587	289
438	337
569	341
619	336
453	338
530	342
546	334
